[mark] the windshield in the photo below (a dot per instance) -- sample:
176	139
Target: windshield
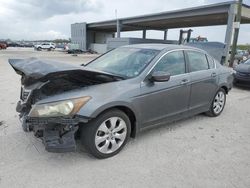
125	62
247	62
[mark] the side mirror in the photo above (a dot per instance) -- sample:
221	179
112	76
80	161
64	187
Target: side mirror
160	76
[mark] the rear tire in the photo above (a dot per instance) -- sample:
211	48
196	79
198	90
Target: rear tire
106	135
218	103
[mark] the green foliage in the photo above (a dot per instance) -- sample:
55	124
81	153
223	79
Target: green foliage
243	47
61	41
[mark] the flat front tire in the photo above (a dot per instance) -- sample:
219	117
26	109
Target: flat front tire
106	135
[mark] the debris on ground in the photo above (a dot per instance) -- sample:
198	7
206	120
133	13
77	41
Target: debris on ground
1	123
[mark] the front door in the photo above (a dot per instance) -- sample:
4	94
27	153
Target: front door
160	100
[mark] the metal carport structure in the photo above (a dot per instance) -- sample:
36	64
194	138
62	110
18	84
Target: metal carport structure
208	15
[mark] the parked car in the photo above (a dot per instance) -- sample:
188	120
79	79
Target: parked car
72	48
13	44
28	45
198	39
3	45
240	55
242	73
118	94
45	46
61	46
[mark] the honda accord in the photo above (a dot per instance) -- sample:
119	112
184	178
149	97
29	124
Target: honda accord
118	94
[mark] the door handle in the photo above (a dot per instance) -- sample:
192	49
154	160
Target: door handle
213	74
184	81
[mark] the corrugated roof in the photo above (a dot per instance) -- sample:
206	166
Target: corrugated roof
207	15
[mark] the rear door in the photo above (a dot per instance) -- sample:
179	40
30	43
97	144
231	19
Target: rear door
203	79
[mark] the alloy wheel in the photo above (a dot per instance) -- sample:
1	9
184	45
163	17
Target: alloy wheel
110	135
219	102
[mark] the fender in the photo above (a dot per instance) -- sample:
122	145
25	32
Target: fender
113	105
120	104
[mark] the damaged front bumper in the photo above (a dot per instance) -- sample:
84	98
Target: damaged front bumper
57	133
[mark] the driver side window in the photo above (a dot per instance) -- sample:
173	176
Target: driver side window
172	63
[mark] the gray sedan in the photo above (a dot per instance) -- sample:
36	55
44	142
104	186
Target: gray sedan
117	95
242	74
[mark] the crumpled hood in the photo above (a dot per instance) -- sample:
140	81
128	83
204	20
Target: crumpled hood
243	68
37	68
33	70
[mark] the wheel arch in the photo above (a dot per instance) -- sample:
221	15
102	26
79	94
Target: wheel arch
128	110
225	88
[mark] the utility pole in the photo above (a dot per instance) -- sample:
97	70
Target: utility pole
118	26
236	33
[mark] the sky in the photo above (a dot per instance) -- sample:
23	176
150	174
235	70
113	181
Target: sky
51	19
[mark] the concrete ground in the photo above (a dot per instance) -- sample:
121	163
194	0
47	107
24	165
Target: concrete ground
196	152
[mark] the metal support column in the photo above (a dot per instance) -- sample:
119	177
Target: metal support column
118	29
166	34
229	32
236	32
189	35
181	36
144	32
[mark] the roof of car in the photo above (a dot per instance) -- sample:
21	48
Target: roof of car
158	46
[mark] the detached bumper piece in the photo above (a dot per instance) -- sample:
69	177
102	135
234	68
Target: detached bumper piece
55	143
58	134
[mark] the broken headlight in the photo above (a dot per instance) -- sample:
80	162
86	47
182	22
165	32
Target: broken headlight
60	108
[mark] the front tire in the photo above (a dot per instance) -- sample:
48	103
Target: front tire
218	103
106	135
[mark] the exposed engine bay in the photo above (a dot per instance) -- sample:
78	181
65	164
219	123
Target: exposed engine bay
41	79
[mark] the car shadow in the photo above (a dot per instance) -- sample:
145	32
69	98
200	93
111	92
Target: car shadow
146	134
168	127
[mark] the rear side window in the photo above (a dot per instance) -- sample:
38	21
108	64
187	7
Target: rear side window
210	62
172	63
197	61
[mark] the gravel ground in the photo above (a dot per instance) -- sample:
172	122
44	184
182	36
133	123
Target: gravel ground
196	152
